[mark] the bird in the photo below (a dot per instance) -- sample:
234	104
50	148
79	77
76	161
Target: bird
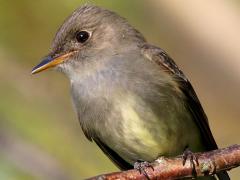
130	97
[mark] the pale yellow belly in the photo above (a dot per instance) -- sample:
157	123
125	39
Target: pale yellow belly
147	136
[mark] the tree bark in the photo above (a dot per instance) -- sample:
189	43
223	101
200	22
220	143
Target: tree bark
206	163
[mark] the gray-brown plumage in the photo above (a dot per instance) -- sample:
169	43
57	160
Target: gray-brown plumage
130	96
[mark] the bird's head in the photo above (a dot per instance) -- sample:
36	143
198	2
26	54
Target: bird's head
89	32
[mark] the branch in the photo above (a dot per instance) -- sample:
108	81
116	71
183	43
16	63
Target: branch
210	163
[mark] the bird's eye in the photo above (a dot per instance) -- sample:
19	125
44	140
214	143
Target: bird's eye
82	36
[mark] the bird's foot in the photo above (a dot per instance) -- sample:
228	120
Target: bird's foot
141	165
193	158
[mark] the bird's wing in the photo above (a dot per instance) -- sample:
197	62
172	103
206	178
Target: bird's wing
159	57
113	156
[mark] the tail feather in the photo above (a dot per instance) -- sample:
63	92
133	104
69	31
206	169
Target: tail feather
223	176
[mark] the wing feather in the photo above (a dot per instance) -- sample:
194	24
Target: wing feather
113	156
159	57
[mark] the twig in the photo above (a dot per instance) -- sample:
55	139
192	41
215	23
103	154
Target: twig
210	163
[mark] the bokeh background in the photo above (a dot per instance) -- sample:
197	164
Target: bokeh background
40	137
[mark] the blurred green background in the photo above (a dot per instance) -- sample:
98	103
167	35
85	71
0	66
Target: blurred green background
40	137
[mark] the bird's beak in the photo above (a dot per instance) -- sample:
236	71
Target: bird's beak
50	61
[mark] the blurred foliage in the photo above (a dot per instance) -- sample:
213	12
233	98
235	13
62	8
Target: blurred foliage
36	112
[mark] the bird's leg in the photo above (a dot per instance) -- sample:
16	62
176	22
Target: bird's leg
140	165
187	154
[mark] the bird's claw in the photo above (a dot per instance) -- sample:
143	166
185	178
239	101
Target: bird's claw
141	165
193	158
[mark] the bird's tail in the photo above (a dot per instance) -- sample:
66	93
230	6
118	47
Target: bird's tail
223	176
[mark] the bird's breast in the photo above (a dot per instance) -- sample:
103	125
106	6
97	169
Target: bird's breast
139	115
